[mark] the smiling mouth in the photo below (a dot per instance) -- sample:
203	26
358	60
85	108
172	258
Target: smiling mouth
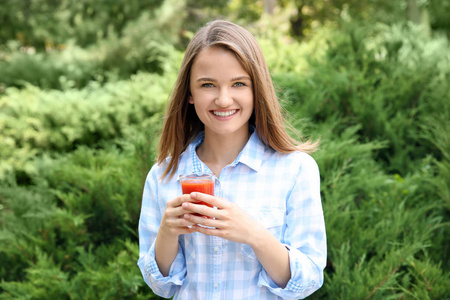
224	113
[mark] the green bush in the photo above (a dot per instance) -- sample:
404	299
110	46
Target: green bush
388	80
379	226
144	44
379	102
34	121
72	232
73	163
47	23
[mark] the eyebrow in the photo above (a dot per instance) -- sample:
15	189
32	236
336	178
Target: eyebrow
206	79
240	78
232	79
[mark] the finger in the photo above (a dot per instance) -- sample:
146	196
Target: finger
207	231
212	200
178	201
204	221
177	212
201	209
185	230
174	213
180	222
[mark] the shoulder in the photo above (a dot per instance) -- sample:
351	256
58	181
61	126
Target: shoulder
304	159
290	160
157	170
290	167
298	159
307	169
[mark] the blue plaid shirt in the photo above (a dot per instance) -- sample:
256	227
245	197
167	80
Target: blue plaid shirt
281	191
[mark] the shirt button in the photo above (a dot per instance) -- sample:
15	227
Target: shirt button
216	249
215	285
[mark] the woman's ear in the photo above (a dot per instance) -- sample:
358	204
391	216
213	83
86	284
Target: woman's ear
190	99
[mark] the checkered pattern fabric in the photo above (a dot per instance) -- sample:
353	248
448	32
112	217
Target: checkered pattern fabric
281	191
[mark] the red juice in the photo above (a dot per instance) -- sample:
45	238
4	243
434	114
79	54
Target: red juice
205	186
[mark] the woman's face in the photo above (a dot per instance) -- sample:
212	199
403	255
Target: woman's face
221	92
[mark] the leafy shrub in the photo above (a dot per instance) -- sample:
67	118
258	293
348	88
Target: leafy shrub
34	121
379	226
45	23
145	44
379	104
388	80
76	234
74	161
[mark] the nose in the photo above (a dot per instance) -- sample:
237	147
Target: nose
224	98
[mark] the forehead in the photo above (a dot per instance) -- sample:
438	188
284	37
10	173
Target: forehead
217	59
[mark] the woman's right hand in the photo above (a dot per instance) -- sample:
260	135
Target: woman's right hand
172	225
173	222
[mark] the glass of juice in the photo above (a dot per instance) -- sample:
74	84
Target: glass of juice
198	182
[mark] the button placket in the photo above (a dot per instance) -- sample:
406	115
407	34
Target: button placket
216	251
217	265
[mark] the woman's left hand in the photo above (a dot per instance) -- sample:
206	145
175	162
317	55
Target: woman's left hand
229	221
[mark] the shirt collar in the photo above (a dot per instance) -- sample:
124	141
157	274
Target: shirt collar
252	155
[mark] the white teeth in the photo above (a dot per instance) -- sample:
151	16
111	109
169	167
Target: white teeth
224	113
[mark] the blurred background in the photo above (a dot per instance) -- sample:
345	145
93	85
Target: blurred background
83	87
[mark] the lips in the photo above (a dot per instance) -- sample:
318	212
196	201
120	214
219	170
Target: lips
224	114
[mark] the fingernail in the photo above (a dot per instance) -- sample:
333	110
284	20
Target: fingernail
194	194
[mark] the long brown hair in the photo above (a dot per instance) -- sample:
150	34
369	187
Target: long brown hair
182	125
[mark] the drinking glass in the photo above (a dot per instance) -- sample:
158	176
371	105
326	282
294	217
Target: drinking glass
198	182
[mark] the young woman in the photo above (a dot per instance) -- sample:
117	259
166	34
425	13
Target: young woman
265	238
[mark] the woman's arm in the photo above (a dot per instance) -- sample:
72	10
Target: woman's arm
166	249
151	222
272	255
172	225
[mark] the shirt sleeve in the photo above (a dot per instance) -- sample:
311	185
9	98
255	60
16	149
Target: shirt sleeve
304	236
149	222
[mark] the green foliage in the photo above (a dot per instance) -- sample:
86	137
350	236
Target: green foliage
379	102
73	160
44	23
34	121
283	54
305	16
72	234
439	11
117	56
382	79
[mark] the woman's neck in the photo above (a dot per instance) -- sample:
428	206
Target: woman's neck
218	151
